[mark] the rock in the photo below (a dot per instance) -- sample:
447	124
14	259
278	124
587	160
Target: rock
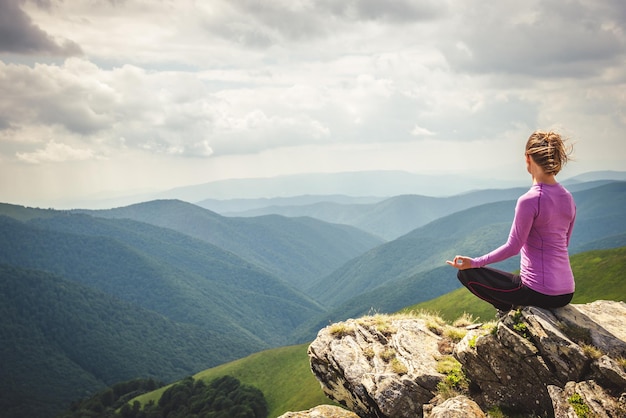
378	366
610	370
322	411
533	361
457	407
585	399
534	349
602	324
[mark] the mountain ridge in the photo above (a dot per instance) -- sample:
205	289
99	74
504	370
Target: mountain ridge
297	250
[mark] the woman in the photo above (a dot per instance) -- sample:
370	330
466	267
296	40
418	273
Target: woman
541	231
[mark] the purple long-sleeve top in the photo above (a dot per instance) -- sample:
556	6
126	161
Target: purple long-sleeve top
541	231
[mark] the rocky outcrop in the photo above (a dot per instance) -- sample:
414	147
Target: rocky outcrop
457	407
322	411
543	362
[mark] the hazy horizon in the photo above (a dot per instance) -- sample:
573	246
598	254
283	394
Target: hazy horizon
122	98
354	186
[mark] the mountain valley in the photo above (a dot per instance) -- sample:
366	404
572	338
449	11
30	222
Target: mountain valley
164	288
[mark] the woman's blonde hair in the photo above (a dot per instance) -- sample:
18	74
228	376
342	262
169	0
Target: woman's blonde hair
548	150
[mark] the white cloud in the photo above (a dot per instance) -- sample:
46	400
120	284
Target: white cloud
419	131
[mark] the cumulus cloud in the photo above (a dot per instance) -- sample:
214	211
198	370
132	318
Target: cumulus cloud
19	35
48	94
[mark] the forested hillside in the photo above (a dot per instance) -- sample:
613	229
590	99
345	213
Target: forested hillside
298	250
62	341
182	278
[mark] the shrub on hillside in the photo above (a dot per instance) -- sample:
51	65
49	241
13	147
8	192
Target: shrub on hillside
224	397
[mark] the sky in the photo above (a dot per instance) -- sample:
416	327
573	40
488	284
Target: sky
104	98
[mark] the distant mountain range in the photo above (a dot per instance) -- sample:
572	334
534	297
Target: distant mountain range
359	183
387	218
174	287
363	185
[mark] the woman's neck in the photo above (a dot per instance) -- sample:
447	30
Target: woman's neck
544	178
538	175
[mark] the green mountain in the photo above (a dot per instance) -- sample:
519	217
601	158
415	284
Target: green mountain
284	375
600	216
62	341
297	250
180	277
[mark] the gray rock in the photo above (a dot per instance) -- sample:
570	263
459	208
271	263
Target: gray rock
534	361
534	349
457	407
322	411
378	369
585	399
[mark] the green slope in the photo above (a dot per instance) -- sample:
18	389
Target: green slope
598	274
282	374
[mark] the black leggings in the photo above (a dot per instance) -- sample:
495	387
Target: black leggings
506	290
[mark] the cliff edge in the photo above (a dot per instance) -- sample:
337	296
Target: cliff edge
562	362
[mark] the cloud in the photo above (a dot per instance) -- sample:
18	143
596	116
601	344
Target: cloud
264	24
223	84
419	131
52	95
55	153
401	11
19	35
565	39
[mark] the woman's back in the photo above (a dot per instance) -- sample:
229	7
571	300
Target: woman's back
544	265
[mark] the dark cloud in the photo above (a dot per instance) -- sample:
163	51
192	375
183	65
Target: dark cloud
556	39
263	23
19	35
393	11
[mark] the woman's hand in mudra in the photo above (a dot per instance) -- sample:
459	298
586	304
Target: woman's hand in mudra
460	262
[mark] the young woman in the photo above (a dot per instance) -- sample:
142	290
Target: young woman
541	231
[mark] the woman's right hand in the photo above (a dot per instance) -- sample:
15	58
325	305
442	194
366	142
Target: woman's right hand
460	262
